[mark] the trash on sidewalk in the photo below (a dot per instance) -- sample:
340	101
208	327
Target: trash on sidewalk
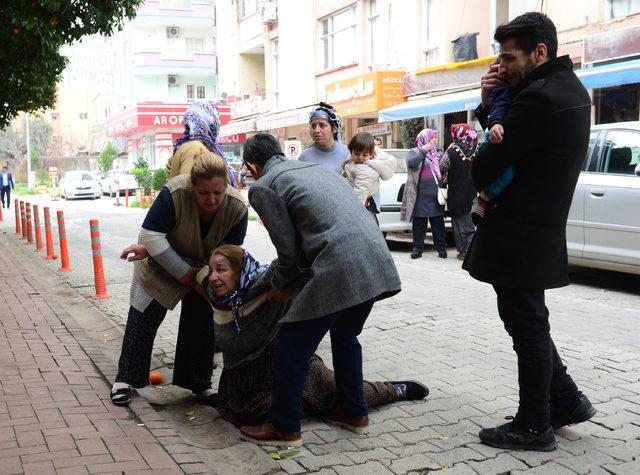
287	453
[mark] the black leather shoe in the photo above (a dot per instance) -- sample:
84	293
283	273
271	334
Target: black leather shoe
581	411
416	254
442	254
414	390
512	437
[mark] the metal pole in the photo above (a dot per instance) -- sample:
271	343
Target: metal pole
28	139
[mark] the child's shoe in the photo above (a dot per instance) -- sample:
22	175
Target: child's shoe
477	210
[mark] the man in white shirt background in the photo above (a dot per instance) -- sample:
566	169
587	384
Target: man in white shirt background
6	185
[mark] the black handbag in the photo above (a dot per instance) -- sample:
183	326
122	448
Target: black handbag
400	193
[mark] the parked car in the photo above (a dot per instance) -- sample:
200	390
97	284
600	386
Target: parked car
126	181
389	217
603	229
79	184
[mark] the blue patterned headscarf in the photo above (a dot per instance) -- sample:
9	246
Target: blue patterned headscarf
202	122
326	112
234	299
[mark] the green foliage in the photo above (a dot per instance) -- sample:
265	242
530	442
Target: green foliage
35	159
22	190
106	158
134	204
142	174
42	177
13	146
159	178
31	34
410	129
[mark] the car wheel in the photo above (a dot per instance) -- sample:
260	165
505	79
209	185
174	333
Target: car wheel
112	193
98	196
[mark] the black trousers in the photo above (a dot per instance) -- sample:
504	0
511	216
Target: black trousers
545	386
419	229
193	366
5	193
296	343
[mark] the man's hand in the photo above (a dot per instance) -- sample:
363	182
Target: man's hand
138	252
279	295
496	133
189	278
489	82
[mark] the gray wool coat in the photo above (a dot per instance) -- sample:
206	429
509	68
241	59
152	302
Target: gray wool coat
327	243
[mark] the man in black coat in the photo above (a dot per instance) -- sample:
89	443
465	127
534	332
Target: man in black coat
520	247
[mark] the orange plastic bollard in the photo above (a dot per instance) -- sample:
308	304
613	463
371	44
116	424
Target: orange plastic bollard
142	205
23	220
36	225
49	237
98	269
29	225
64	252
16	208
0	213
126	197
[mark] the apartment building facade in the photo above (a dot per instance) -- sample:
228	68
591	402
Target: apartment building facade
164	59
300	52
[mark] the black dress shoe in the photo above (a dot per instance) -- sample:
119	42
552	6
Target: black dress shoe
442	254
416	254
413	390
513	437
581	411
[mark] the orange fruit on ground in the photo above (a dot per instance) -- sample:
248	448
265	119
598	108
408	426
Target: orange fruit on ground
155	377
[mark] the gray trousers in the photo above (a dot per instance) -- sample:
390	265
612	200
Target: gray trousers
463	230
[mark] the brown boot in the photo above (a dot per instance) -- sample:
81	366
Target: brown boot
356	424
268	434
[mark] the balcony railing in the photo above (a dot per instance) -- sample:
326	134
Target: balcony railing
178	58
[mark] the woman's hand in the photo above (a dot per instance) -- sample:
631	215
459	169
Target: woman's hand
279	295
189	278
138	252
489	82
426	147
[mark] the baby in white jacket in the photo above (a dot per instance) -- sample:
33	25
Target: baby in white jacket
365	167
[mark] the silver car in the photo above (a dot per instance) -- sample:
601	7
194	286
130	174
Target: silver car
603	229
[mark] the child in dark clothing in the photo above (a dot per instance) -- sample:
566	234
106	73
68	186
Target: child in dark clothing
499	102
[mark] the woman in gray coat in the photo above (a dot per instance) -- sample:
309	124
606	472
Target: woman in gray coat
420	199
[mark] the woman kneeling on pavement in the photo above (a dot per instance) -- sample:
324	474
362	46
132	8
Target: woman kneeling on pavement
192	215
246	323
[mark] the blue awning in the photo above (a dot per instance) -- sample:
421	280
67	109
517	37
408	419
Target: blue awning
435	105
616	74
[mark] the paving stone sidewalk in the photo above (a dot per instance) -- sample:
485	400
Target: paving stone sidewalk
443	329
55	416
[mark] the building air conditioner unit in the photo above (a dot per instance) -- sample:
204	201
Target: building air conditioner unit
173	32
172	80
269	12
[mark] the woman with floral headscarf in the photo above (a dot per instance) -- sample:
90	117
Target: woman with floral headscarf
326	130
455	167
420	199
201	128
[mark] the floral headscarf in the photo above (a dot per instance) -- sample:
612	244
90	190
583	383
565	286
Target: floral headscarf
465	138
234	299
202	122
433	155
326	112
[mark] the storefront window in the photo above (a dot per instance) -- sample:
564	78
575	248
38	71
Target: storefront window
338	39
616	104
